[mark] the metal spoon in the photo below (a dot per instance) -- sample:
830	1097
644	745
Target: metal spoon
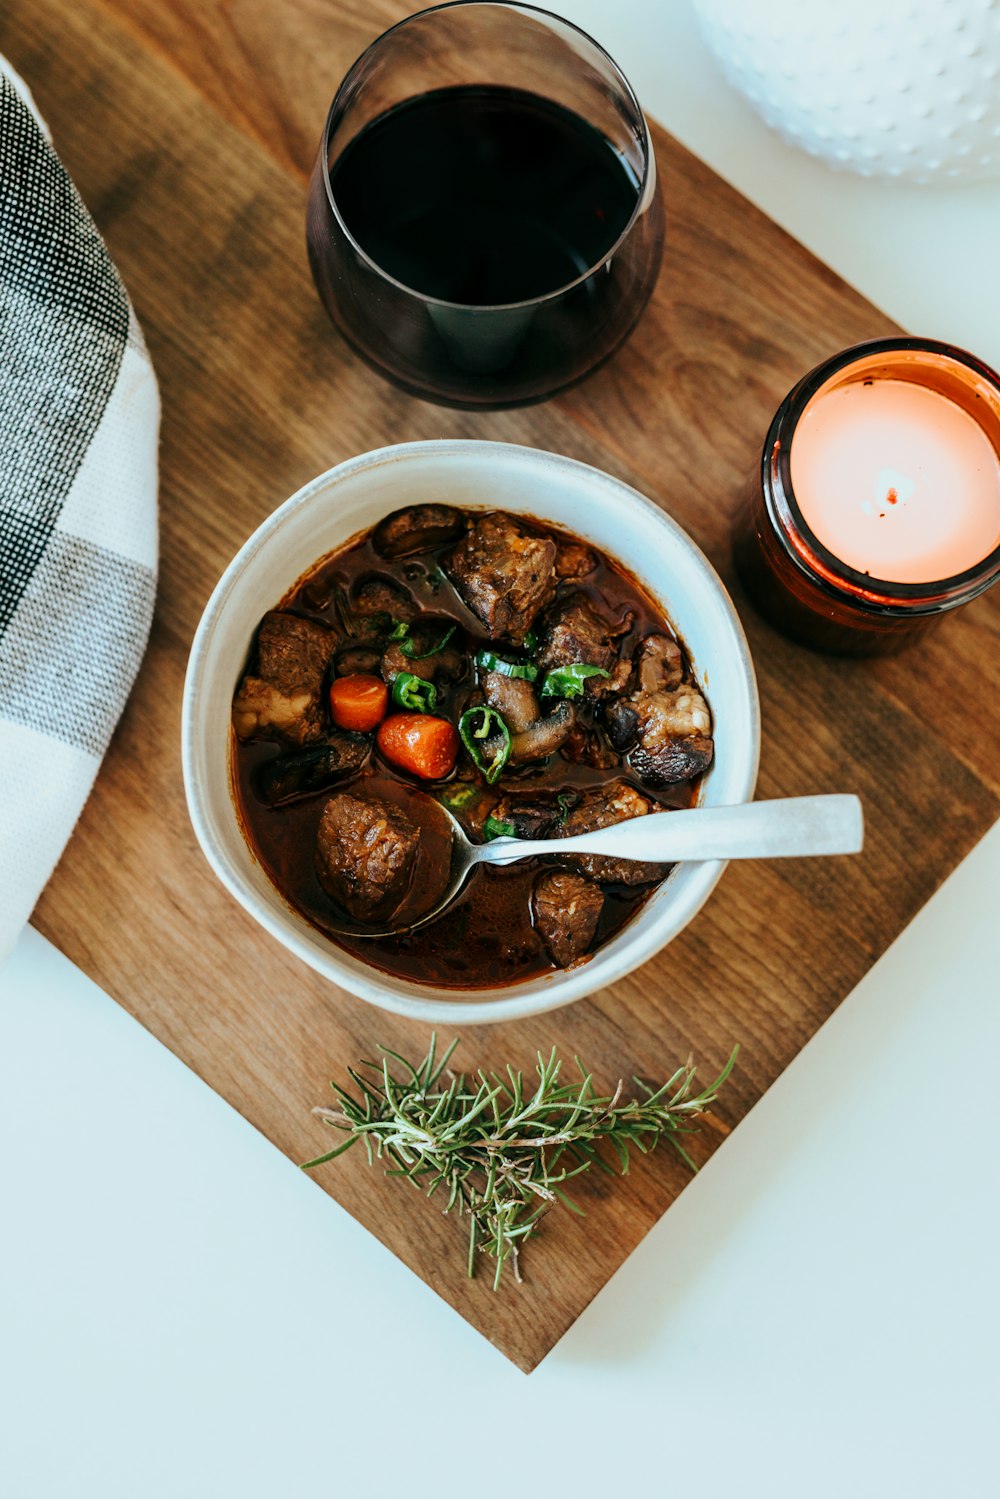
789	827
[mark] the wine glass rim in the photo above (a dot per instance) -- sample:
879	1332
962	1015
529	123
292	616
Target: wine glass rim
648	164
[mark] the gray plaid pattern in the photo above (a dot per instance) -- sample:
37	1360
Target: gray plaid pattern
64	318
103	604
78	428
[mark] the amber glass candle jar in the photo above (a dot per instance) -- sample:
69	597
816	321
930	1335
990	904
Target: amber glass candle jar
875	507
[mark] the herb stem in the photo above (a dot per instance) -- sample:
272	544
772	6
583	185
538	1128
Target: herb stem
505	1157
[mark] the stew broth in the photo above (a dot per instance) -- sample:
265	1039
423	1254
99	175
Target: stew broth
487	937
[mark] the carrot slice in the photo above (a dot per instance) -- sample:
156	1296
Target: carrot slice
420	744
358	702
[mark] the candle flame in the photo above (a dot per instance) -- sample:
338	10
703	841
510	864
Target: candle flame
892	487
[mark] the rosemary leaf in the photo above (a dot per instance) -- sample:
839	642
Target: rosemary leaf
503	1153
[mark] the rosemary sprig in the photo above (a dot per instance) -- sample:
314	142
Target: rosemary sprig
501	1151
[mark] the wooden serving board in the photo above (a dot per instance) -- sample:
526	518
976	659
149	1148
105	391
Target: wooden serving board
190	130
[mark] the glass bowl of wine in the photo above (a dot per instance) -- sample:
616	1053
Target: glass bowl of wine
484	224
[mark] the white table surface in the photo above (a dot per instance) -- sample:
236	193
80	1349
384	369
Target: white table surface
183	1313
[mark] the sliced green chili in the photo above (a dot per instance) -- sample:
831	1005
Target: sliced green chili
400	629
569	681
409	649
566	800
459	796
493	726
494	827
530	641
490	662
413	692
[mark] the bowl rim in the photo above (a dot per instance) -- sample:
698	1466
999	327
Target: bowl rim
490	1005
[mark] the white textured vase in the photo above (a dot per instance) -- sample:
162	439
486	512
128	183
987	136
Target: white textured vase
895	88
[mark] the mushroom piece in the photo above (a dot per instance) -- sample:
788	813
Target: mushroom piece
533	736
417	528
513	698
289	776
621	723
543	737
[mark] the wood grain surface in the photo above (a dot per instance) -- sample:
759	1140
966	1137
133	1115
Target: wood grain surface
189	130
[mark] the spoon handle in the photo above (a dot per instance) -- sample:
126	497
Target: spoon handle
785	828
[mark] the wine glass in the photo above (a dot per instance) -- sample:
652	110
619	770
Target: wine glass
484	223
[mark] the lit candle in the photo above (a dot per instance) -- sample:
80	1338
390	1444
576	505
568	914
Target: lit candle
896	480
877	503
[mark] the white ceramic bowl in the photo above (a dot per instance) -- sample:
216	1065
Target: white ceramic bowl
488	475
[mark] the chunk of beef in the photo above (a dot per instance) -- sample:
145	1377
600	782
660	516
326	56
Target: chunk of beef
574	631
621	676
573	561
418	528
665	724
660	664
282	700
358	660
293	652
531	814
308	771
600	807
589	747
260	711
513	698
375	603
377	595
566	909
366	850
674	733
504	574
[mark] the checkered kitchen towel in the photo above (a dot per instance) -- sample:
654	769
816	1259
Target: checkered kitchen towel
79	416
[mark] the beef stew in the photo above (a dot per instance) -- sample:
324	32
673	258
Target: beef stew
487	662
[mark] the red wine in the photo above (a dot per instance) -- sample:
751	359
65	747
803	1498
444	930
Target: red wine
452	237
483	195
